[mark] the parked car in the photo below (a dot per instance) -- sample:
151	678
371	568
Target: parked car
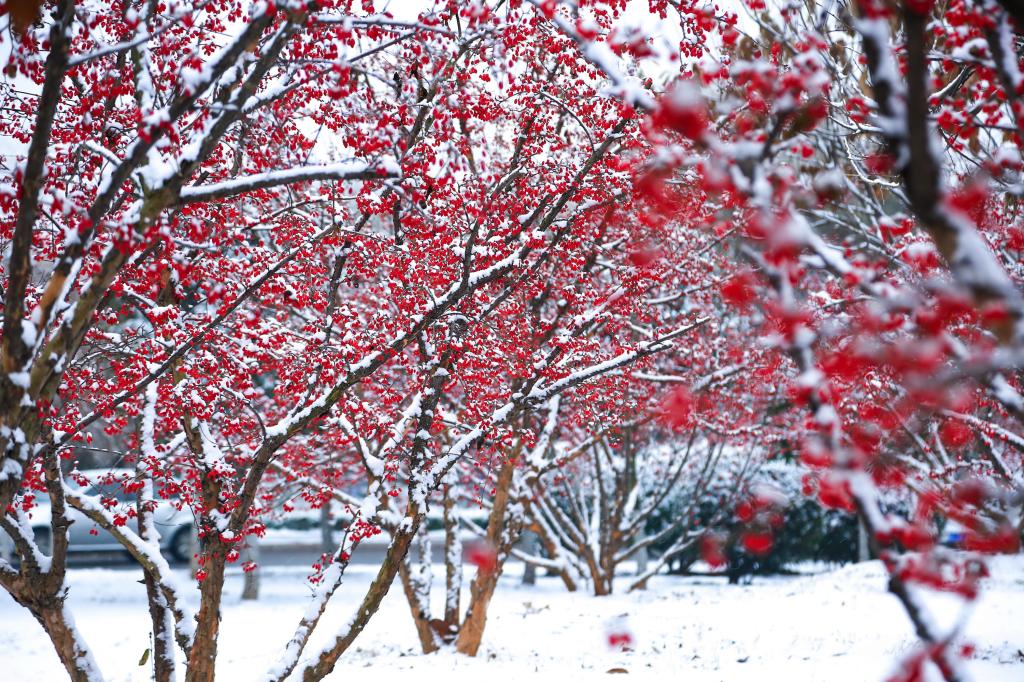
174	526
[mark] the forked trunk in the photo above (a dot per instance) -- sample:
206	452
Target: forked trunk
605	572
602	585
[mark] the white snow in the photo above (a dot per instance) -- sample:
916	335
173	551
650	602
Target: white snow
838	626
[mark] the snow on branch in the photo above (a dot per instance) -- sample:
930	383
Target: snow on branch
904	119
149	557
628	89
540	394
342	171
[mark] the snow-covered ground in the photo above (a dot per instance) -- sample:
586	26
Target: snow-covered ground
834	626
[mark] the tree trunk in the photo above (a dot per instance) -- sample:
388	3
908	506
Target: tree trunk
417	592
482	589
863	546
70	648
420	616
550	546
202	659
328	658
641	559
251	579
160	614
163	631
452	567
530	547
193	563
594	569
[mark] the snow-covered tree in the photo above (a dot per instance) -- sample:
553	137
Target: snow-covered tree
266	240
865	155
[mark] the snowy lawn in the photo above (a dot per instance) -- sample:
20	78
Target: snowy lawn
833	626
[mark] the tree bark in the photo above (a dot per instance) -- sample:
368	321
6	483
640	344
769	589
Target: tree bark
202	659
371	600
160	614
420	617
452	565
418	595
163	630
482	589
72	651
